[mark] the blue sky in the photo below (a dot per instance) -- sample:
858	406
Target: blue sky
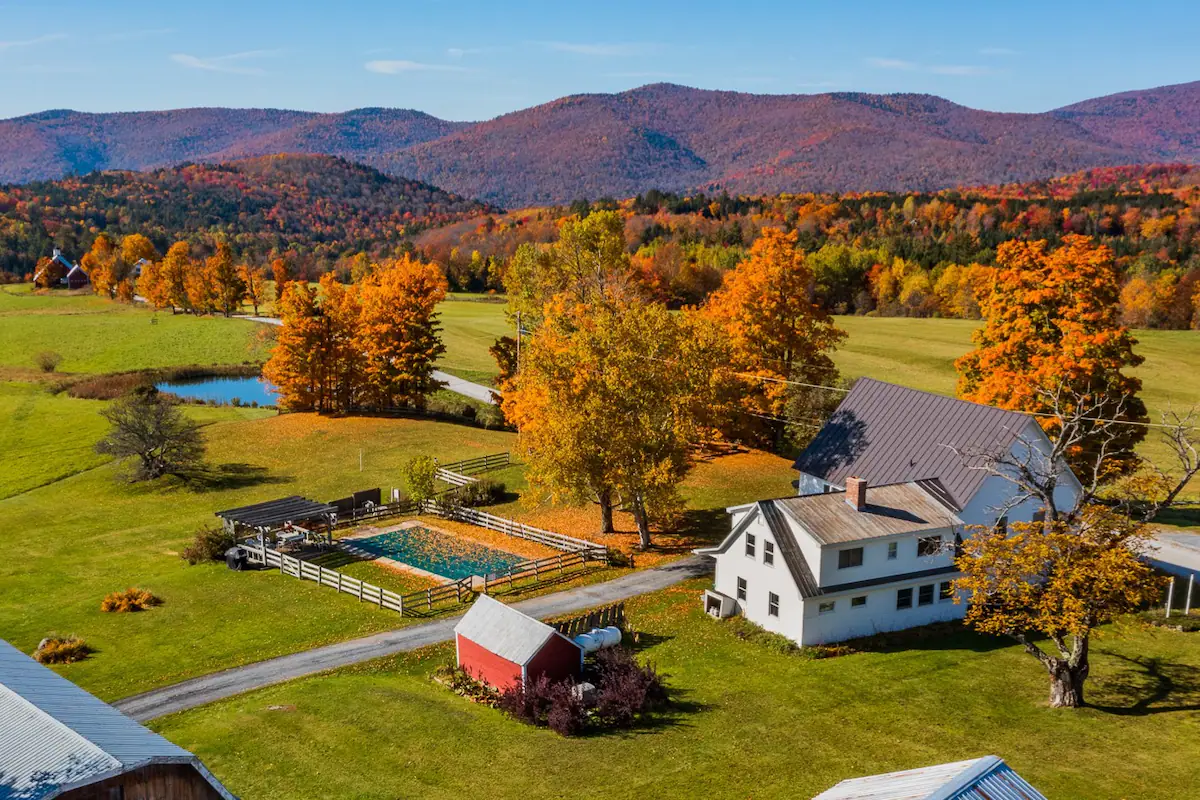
475	60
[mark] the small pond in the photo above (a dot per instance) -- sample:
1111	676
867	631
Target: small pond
246	390
436	552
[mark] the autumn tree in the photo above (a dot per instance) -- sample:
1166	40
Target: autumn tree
100	264
50	271
340	355
504	352
777	333
1051	331
1059	581
226	278
176	266
135	249
153	285
254	283
398	332
609	398
282	275
200	284
295	363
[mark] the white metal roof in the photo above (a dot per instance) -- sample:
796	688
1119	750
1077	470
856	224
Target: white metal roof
504	631
54	736
987	778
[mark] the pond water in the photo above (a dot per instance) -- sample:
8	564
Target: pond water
245	390
437	552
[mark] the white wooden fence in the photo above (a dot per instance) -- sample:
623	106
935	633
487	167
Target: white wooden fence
453	478
459	590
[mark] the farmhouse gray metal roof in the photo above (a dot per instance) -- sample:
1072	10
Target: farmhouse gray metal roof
276	512
56	736
504	630
987	778
892	434
891	510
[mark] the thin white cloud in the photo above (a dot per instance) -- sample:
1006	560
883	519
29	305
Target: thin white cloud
602	49
962	70
50	37
461	52
892	63
654	75
145	33
998	51
397	67
230	63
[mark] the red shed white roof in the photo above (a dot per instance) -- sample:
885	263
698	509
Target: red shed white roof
505	631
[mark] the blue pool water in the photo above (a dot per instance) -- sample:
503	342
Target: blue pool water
437	552
223	390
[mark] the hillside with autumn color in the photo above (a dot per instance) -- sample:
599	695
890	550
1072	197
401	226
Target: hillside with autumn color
661	136
314	207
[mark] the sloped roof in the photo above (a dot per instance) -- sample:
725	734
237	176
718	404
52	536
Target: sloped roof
891	510
505	631
987	778
277	512
892	434
55	736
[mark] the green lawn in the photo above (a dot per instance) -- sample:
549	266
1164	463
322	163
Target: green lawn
96	335
753	723
469	327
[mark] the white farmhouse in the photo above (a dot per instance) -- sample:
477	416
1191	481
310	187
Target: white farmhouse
868	544
841	564
886	433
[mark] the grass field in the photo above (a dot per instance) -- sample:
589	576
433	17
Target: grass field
753	723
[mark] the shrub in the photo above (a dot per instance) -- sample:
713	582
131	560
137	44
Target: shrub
461	683
627	689
56	649
567	715
484	492
545	704
47	360
129	600
1188	623
418	478
209	544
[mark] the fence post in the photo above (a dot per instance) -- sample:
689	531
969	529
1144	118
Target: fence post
1187	603
429	599
1170	595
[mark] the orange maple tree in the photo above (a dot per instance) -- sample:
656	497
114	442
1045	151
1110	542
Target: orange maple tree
776	332
1051	331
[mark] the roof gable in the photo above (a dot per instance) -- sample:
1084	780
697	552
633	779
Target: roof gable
785	539
79	738
892	434
505	631
984	778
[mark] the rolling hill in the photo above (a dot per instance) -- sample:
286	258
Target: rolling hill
318	207
660	136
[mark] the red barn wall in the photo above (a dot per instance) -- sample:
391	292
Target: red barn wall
484	665
558	658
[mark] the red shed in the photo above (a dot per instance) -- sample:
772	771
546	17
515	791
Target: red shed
501	646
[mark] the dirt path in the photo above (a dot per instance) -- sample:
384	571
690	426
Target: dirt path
220	685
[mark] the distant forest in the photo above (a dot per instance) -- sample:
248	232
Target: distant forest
312	209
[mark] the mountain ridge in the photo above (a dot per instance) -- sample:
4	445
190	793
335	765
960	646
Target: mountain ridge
663	135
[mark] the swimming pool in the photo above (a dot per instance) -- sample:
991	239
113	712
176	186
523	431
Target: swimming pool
436	552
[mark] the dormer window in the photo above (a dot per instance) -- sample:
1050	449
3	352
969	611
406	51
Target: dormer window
852	557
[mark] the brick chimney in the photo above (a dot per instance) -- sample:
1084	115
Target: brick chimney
856	493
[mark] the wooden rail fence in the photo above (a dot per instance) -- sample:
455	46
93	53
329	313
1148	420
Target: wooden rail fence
306	571
474	466
544	566
600	618
453	478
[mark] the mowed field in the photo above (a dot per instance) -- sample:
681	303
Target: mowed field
76	532
751	722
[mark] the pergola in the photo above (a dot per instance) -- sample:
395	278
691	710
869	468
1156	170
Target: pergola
263	518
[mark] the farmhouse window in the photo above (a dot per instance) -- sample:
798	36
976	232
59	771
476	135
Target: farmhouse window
946	591
772	604
904	598
827	608
850	558
741	592
768	553
750	545
858	602
893	550
925	595
929	546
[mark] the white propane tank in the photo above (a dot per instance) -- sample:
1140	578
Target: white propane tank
588	642
611	636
